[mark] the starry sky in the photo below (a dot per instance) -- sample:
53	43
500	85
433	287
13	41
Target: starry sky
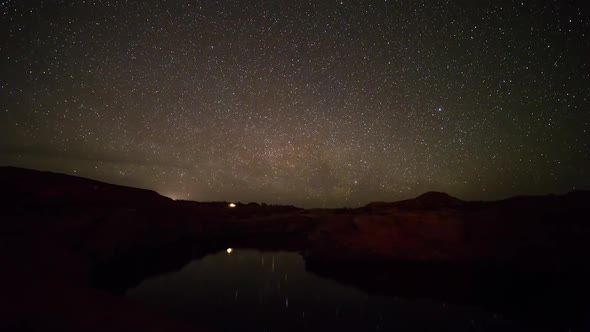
315	103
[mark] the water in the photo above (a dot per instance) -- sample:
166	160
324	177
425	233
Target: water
248	290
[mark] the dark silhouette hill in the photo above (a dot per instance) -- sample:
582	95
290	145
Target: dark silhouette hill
50	187
429	200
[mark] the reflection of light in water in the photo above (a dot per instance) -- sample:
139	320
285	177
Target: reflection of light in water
232	205
237	293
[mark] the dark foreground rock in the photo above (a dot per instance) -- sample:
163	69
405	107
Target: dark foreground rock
69	245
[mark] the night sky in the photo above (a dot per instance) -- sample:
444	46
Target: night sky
311	103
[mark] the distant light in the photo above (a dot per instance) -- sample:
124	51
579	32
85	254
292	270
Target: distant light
232	205
175	196
229	250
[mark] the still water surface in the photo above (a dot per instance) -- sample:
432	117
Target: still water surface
248	290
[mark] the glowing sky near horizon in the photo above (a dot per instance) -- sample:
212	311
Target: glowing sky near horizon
312	103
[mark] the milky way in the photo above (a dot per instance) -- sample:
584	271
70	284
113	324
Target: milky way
312	103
